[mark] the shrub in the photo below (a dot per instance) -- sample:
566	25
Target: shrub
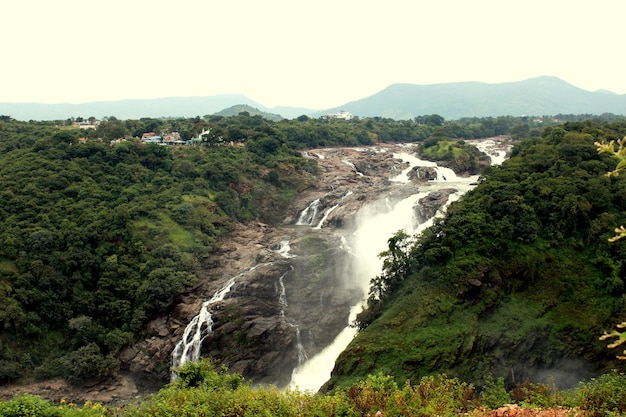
495	394
204	374
27	405
536	395
88	362
603	396
434	395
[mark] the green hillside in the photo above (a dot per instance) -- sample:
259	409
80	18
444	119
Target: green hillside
518	281
252	111
535	96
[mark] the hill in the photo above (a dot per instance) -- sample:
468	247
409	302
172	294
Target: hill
252	111
98	239
535	96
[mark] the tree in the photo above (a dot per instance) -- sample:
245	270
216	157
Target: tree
620	154
431	120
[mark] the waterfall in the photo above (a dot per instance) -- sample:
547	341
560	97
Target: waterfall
308	214
443	173
188	348
302	356
375	224
284	250
282	294
350	164
326	213
497	155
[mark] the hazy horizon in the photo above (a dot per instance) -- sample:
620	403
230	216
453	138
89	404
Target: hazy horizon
307	54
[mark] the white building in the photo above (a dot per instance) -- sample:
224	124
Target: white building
341	115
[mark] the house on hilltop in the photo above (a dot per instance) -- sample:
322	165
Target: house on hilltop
340	115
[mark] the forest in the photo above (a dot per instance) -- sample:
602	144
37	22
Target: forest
99	239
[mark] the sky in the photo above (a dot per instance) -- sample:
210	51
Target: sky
315	54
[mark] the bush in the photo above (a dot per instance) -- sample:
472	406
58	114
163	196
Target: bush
88	362
434	395
603	396
495	394
9	371
536	395
204	374
27	405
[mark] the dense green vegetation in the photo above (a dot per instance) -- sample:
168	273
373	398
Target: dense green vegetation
99	239
202	390
305	132
456	154
519	279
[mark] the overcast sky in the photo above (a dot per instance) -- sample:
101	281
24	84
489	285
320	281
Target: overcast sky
310	53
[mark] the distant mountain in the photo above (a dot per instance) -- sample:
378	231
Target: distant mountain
138	108
126	109
535	96
253	111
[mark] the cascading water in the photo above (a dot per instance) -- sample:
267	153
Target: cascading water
488	146
354	168
282	294
309	214
375	224
284	250
325	216
188	348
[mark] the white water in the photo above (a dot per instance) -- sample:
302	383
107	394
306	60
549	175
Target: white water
443	173
376	223
284	250
350	164
487	146
188	348
326	214
308	214
282	295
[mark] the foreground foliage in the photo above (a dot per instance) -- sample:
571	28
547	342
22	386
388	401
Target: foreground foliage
203	390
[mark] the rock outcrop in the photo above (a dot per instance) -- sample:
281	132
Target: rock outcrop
429	205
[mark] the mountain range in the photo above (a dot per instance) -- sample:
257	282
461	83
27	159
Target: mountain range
544	95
